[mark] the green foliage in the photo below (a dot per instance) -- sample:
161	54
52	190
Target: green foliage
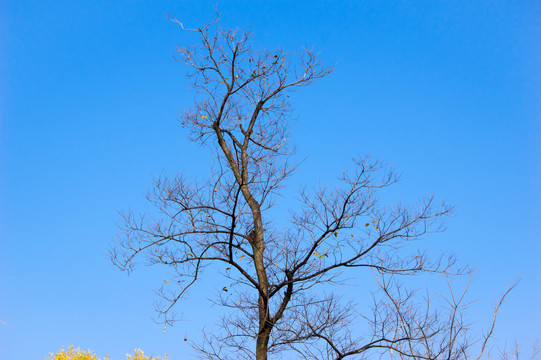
77	354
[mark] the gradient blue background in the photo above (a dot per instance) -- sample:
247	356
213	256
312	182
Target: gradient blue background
447	91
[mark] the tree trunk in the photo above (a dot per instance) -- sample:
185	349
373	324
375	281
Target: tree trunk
262	345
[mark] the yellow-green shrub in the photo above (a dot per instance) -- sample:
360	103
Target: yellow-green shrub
77	354
74	354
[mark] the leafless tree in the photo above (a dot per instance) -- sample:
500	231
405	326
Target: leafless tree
282	301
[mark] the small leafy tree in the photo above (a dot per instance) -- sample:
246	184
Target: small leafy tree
281	303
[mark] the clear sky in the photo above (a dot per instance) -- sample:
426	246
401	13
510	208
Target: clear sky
449	92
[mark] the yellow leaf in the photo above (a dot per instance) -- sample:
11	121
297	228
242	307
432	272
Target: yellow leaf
165	281
335	234
366	224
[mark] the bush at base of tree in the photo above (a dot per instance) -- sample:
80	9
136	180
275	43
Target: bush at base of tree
77	354
140	355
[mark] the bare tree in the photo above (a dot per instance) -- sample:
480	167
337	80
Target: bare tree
282	300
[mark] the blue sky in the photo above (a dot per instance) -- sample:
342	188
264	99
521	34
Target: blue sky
448	92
